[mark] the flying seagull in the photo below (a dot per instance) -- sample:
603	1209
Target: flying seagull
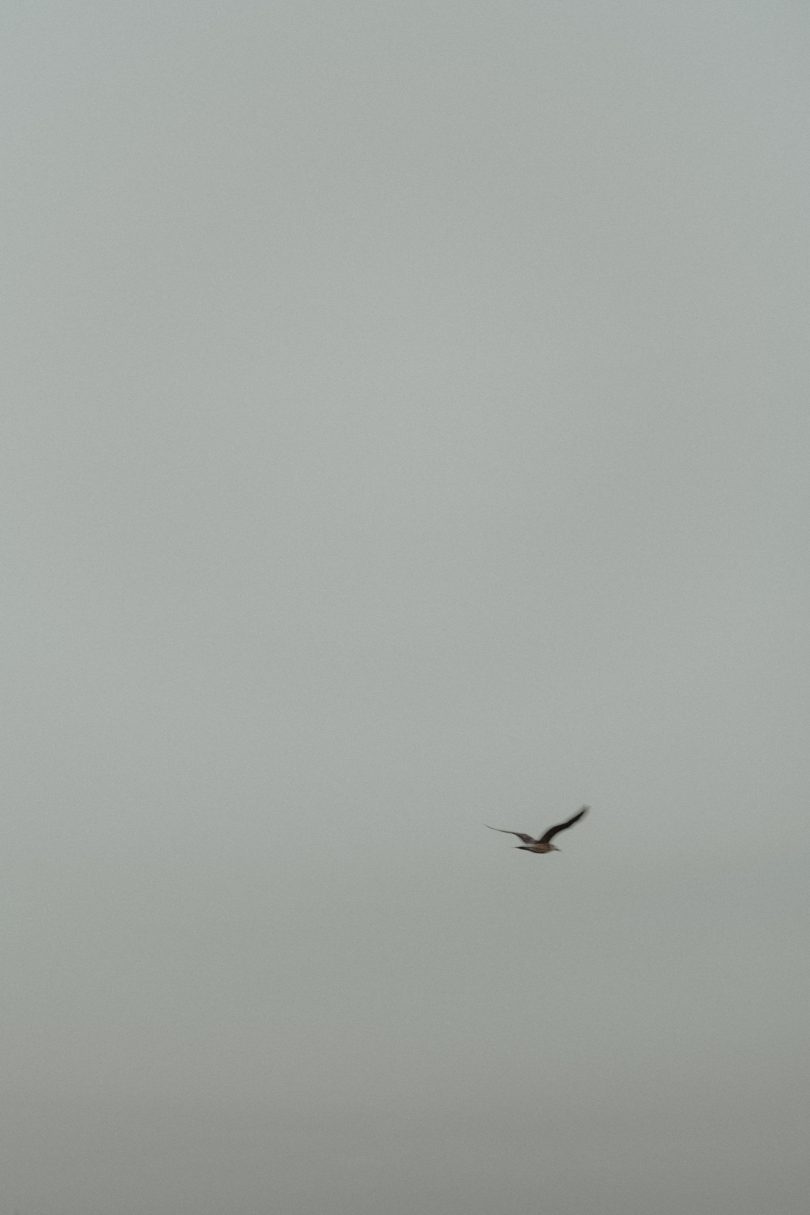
544	844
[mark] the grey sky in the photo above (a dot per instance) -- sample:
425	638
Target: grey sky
406	428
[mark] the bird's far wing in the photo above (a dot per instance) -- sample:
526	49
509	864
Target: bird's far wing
552	831
527	839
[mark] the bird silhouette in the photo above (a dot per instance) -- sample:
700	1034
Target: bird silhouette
543	844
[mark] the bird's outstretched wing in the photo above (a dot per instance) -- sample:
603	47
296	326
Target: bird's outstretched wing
527	839
552	831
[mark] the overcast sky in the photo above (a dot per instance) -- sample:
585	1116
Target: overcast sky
406	428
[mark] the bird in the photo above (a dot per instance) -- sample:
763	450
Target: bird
543	844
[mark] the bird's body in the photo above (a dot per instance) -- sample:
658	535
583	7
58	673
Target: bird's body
543	844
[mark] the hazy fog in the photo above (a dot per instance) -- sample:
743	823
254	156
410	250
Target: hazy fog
407	428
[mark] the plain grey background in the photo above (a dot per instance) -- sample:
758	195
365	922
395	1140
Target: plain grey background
406	428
